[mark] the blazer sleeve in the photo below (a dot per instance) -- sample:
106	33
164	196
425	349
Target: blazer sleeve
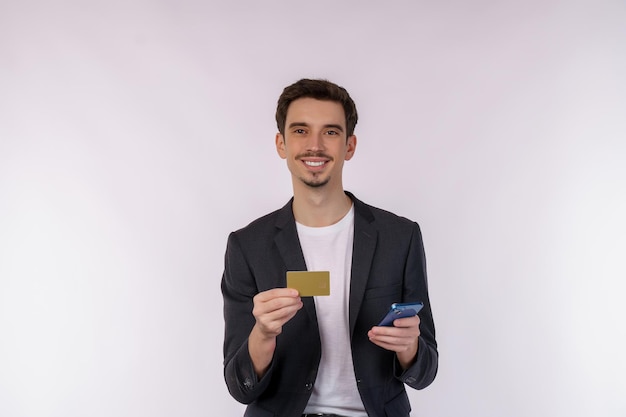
238	289
423	371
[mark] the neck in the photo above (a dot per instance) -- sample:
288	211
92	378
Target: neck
318	208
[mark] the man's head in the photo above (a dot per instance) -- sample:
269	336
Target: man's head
319	90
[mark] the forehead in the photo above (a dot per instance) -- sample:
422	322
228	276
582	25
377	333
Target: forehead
310	110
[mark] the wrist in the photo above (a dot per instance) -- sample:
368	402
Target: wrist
408	357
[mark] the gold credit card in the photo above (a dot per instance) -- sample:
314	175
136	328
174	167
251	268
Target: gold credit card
309	283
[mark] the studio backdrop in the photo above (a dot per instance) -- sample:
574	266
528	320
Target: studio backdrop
135	135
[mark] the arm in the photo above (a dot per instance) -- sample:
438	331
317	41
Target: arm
252	320
413	338
272	309
402	338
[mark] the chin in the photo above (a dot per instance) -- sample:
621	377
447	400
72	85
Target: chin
316	183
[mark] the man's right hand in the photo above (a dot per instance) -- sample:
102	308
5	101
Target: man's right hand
272	309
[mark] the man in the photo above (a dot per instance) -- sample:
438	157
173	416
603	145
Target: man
289	356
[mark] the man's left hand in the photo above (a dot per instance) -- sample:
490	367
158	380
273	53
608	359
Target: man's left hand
401	338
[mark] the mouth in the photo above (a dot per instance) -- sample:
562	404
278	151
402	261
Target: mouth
314	162
314	165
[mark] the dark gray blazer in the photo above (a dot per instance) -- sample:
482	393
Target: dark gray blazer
388	266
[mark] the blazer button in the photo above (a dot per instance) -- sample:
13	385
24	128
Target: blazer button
308	386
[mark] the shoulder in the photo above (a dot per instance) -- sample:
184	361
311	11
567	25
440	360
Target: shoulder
380	216
389	228
267	224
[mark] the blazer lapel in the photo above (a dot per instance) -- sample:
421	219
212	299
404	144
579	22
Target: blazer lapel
365	237
288	245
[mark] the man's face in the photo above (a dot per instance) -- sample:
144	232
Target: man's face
314	143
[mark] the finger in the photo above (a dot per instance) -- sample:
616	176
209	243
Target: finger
395	347
277	306
395	339
394	335
276	293
393	343
395	330
272	322
276	320
407	322
276	298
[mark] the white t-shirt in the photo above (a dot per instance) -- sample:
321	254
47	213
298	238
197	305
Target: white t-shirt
330	249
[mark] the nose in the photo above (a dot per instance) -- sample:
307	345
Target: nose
315	141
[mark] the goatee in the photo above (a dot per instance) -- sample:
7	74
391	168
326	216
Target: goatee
315	183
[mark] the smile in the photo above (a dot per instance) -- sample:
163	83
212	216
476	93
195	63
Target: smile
314	163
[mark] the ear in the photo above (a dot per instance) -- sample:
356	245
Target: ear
350	147
280	145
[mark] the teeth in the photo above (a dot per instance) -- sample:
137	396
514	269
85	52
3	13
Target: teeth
314	164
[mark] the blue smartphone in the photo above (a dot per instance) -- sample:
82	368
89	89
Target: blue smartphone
400	310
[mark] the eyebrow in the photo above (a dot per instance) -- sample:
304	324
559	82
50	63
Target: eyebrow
326	126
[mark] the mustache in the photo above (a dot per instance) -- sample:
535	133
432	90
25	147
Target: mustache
312	154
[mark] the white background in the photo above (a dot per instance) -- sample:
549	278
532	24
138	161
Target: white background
135	135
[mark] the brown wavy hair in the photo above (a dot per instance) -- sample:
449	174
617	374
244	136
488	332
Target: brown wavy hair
319	90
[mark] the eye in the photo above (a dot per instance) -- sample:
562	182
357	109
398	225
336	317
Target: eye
332	132
299	131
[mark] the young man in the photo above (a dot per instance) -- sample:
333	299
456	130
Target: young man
289	356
